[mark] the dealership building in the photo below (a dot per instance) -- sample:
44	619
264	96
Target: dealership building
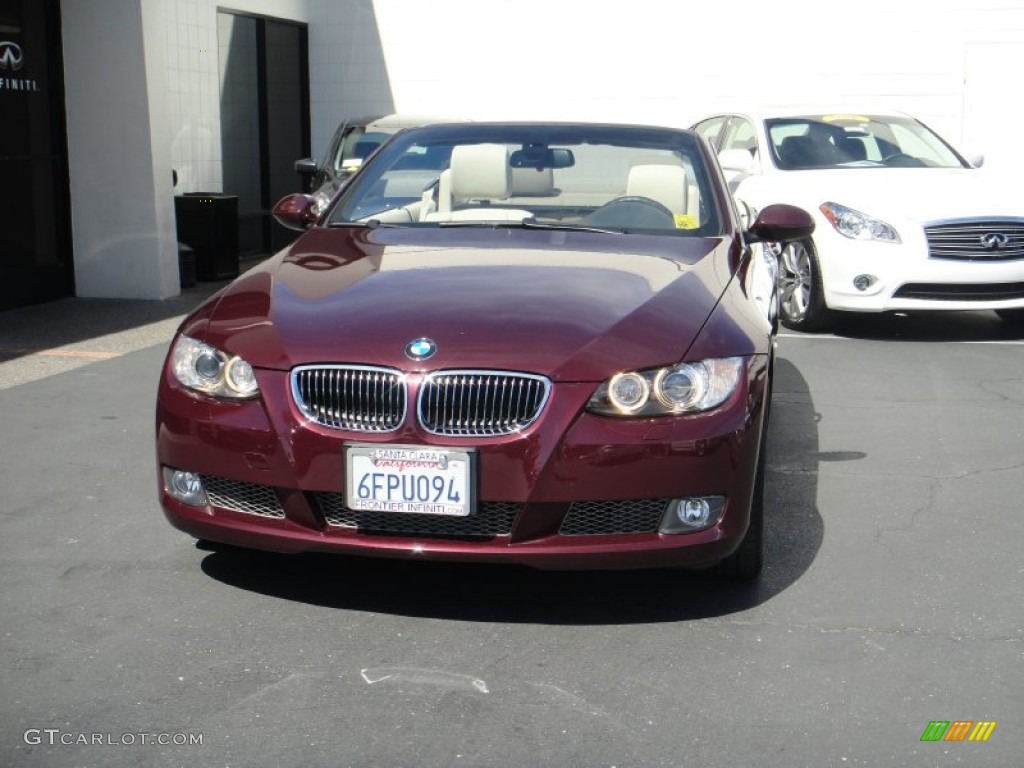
113	110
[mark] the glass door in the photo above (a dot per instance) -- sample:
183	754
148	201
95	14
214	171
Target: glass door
35	250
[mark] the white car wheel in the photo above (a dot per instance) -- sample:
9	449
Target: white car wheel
801	299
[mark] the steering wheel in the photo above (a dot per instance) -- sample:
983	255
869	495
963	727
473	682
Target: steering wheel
632	212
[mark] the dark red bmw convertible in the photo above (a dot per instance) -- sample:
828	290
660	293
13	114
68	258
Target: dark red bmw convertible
547	344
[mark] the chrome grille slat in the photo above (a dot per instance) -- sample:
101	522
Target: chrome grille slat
468	404
351	397
493	518
962	239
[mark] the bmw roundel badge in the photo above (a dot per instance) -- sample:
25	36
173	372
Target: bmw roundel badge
420	349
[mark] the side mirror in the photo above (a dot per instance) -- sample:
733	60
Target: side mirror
295	211
976	160
781	223
738	160
306	166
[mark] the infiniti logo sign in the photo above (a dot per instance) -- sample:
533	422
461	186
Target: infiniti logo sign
11	56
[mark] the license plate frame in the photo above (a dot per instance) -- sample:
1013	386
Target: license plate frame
376	470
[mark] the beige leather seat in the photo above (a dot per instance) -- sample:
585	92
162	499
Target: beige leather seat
661	182
478	177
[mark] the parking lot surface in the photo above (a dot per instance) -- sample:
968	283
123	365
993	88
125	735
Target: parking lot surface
891	596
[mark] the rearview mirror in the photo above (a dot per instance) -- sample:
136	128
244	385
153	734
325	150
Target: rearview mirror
539	156
295	211
781	223
306	166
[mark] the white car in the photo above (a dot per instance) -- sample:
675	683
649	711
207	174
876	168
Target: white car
904	222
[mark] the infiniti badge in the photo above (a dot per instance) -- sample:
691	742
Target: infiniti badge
11	56
420	349
993	241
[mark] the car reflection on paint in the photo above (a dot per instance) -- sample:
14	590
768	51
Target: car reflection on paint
554	348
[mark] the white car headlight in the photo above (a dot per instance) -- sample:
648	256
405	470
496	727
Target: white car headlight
676	389
857	225
207	369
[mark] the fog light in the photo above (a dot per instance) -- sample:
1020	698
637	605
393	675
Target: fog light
186	487
863	282
694	513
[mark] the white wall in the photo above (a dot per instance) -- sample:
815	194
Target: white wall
658	61
121	209
143	97
143	90
192	82
348	76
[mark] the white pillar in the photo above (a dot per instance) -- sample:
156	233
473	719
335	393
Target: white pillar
122	206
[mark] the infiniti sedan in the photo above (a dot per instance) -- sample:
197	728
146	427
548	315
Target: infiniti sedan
556	351
905	222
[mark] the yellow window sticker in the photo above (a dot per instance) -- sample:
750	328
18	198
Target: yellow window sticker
685	221
845	119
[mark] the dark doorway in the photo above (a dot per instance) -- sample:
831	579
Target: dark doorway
35	250
264	120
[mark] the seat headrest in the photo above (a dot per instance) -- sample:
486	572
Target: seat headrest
661	182
532	182
853	148
797	151
480	171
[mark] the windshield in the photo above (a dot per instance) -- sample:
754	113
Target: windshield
857	141
605	178
355	148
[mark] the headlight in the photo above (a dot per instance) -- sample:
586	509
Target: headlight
208	370
676	389
856	225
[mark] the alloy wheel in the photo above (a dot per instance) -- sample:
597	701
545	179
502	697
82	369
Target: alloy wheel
795	281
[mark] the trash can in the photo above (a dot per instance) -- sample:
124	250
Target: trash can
208	223
186	265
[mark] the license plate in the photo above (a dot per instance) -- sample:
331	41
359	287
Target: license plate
414	479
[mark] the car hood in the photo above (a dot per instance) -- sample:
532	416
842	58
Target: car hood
920	195
573	306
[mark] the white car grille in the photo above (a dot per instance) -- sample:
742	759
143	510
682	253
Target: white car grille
977	239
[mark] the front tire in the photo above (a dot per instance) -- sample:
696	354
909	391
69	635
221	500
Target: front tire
801	296
746	562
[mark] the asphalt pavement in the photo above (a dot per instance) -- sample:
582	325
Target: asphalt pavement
892	595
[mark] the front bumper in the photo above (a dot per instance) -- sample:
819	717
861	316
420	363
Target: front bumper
280	481
906	278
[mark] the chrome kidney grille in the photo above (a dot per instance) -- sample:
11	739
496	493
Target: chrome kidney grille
464	403
977	239
356	398
480	403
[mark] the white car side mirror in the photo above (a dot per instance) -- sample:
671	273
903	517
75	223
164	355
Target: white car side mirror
976	160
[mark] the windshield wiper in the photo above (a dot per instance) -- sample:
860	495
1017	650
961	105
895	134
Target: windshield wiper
530	224
369	224
534	224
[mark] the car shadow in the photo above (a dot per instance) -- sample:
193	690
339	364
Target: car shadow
517	594
927	326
